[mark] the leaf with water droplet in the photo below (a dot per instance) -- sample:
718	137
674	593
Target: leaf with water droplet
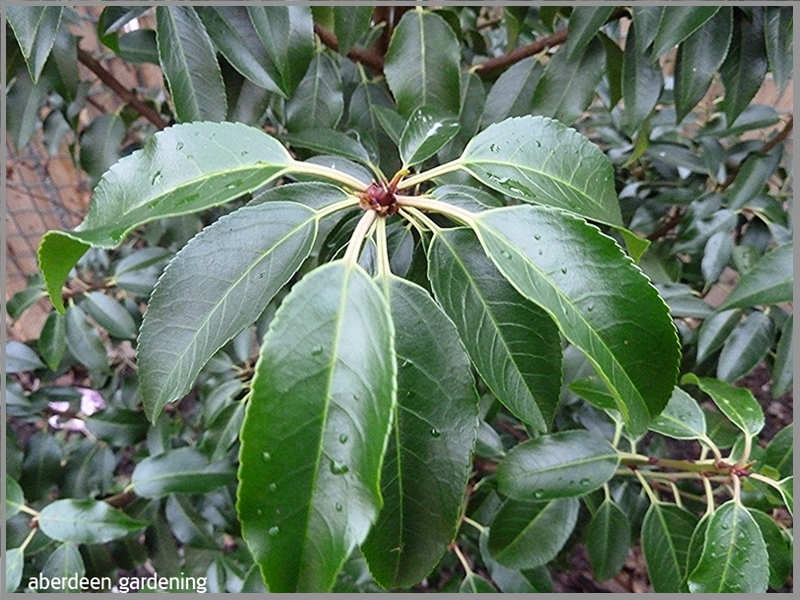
666	534
738	404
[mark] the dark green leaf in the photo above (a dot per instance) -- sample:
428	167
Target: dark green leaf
89	470
746	347
428	455
233	33
318	102
62	564
113	18
714	331
118	426
424	134
594	391
679	22
626	334
567	87
254	250
614	59
696	547
14	497
349	24
641	84
20	358
786	488
391	122
778	552
23	101
41	466
511	580
778	29
734	558
666	532
738	404
768	282
751	180
85	522
525	535
512	94
24	299
209	164
187	525
682	418
100	145
475	584
647	19
52	341
539	160
139	46
716	256
513	19
744	67
15	559
288	35
779	453
190	65
300	486
110	315
35	29
422	64
84	341
329	141
181	471
567	463
608	540
584	23
699	58
513	343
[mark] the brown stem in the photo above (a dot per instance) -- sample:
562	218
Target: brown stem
516	55
103	75
782	135
370	59
120	500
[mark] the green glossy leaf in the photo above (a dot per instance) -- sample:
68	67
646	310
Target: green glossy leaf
716	256
84	341
349	24
567	463
627	335
539	160
679	22
746	347
428	456
100	145
41	466
512	94
567	87
738	404
85	522
513	343
113	18
422	64
36	29
139	46
254	251
594	391
52	341
714	331
14	497
89	470
751	180
511	580
779	453
666	532
21	358
328	356
475	584
682	418
778	30
329	141
208	164
613	71
190	65
63	563
699	58
232	31
744	67
180	471
778	552
24	299
608	540
110	315
23	101
647	19
695	547
768	282
318	102
786	488
734	558
15	559
187	525
641	85
525	535
391	122
118	426
424	134
288	36
584	23
473	100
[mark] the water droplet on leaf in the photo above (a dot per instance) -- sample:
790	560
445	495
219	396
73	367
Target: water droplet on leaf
339	507
266	456
343	438
272	487
316	351
435	432
274	531
338	469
